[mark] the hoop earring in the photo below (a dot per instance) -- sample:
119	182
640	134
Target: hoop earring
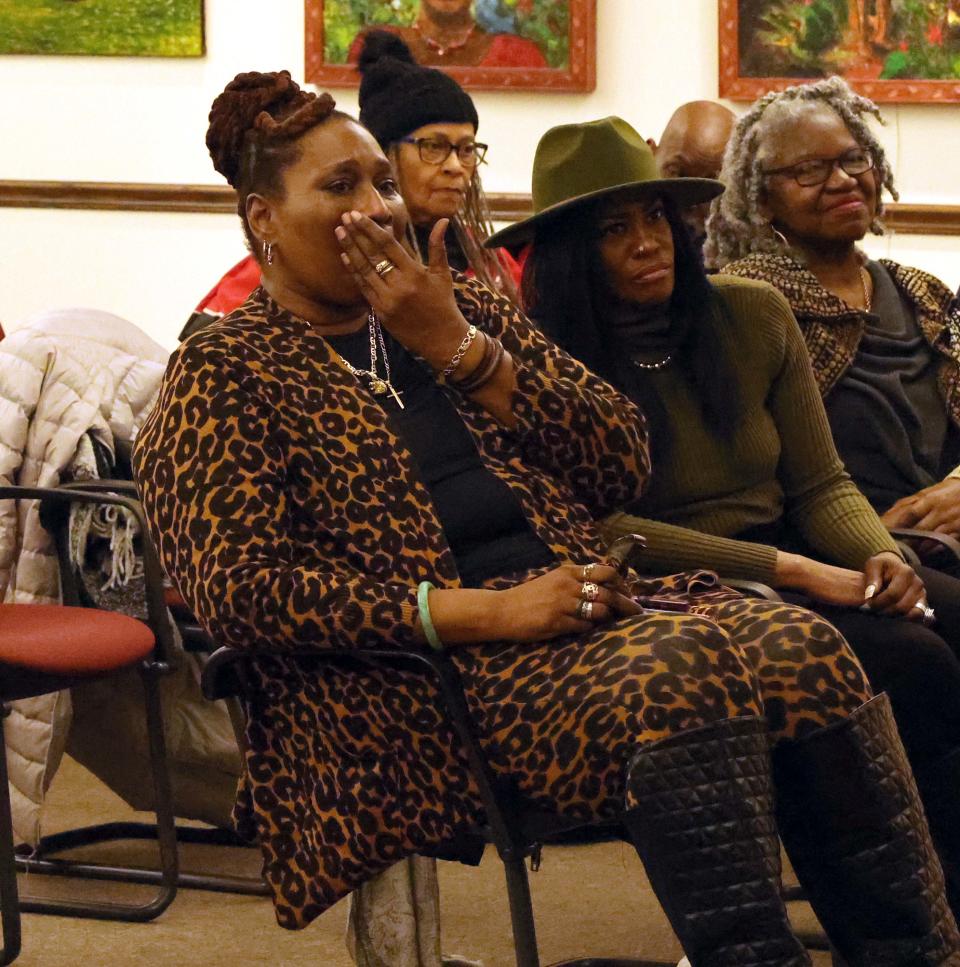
779	236
268	252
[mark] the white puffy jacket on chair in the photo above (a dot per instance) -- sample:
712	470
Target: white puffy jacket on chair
64	375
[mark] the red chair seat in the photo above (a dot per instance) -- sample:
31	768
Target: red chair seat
58	640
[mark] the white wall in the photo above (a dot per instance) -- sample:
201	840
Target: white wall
136	119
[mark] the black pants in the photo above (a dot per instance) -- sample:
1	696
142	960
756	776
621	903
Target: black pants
918	667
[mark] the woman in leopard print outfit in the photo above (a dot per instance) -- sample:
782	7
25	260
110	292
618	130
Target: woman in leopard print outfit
299	489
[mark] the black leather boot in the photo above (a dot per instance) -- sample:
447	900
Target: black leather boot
939	786
700	813
850	817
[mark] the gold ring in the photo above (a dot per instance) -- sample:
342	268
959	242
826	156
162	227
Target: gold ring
383	267
589	591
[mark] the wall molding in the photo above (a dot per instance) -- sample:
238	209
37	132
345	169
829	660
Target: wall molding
905	219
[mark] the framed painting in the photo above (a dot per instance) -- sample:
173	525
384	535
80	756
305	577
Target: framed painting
137	28
889	50
534	45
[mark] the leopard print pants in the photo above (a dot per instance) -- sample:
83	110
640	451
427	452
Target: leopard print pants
565	717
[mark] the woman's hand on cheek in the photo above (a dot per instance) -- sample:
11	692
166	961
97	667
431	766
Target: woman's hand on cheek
415	302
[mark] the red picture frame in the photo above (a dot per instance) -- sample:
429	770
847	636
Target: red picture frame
579	75
736	87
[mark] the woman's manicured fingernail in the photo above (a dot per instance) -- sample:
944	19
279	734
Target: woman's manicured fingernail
340	232
870	592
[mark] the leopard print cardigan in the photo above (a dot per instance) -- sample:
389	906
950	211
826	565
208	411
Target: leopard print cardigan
290	515
832	329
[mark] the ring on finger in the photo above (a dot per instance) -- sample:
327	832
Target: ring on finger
589	591
929	615
587	571
383	267
585	610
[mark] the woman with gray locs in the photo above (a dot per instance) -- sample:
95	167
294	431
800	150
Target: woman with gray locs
741	449
804	176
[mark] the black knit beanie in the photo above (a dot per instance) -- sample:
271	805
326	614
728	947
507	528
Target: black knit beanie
398	96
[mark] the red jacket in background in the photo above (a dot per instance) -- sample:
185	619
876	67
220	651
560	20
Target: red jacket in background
234	288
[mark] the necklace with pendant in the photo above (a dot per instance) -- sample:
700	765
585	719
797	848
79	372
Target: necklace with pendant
440	49
378	385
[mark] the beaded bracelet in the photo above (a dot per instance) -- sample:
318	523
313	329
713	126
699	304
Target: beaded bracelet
426	622
455	359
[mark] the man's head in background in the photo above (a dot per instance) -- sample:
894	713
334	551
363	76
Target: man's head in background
692	146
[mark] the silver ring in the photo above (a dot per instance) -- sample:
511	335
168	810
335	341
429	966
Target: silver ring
587	571
383	267
929	615
585	610
590	591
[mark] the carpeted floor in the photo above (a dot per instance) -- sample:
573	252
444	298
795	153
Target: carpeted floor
589	900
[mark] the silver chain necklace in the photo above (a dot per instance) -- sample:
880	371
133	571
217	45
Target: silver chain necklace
378	384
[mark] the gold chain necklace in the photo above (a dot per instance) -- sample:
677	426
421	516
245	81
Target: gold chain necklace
867	300
378	384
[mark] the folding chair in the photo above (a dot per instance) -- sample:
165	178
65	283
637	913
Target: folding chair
45	648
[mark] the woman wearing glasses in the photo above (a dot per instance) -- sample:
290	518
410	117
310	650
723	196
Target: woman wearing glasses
427	125
804	176
746	480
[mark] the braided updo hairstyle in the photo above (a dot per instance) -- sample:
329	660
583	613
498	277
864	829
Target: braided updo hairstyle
254	128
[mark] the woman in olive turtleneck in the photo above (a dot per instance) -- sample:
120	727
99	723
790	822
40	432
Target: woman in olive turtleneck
746	478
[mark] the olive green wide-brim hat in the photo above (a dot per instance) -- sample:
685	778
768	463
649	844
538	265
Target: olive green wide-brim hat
580	163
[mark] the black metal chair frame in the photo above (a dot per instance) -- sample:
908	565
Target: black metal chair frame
55	506
948	553
54	503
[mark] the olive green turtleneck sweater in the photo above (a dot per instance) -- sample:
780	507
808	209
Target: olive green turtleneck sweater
780	460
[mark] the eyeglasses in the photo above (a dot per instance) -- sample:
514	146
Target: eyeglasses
435	151
817	170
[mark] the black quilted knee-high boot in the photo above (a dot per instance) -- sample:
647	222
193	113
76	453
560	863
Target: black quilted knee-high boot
939	786
850	817
700	813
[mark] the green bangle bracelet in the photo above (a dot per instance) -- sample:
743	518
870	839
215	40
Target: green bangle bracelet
423	607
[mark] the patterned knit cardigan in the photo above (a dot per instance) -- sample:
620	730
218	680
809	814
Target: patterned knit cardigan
832	329
290	515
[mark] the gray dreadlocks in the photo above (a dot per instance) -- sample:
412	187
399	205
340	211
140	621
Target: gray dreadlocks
736	228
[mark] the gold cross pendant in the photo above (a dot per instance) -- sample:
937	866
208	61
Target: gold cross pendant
380	386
